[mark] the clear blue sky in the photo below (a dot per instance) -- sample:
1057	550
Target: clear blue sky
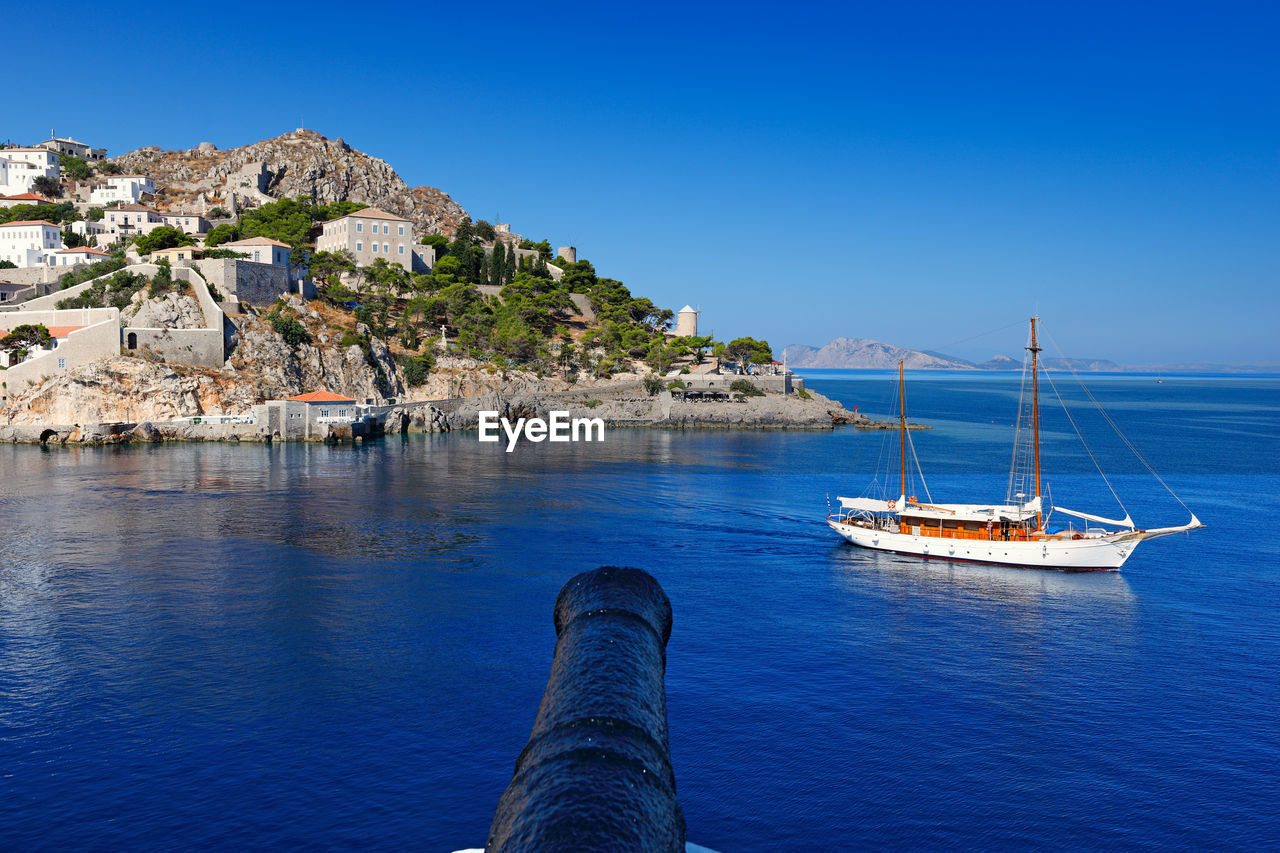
912	172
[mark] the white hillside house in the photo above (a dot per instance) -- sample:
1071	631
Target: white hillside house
125	189
30	243
130	219
188	222
39	160
80	255
262	250
19	168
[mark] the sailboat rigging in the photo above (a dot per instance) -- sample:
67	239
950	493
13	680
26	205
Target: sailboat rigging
1012	533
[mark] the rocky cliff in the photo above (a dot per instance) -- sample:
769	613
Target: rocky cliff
302	163
173	310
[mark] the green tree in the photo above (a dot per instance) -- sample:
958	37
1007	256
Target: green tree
109	167
544	248
71	239
76	168
162	281
219	234
498	264
218	213
293	332
8	265
47	186
485	232
327	269
748	351
18	342
287	220
164	237
512	264
438	241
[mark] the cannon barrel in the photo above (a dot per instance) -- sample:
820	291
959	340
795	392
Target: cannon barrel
596	773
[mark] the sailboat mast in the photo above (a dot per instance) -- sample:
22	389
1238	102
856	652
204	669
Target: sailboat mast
902	426
1035	407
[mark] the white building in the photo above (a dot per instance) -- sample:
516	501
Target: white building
40	160
188	222
80	335
130	219
29	243
370	234
79	255
18	171
87	229
262	250
126	189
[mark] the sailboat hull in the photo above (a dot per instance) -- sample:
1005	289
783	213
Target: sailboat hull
1084	555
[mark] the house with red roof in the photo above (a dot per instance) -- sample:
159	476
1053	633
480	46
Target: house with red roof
79	255
315	416
23	198
261	250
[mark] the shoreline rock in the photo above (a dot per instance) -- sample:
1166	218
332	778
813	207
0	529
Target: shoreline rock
621	405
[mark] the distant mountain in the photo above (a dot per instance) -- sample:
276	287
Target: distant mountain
860	353
1101	365
864	354
1000	362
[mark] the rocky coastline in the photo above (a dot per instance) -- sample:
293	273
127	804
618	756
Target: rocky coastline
619	405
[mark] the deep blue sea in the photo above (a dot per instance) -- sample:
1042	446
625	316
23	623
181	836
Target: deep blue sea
253	647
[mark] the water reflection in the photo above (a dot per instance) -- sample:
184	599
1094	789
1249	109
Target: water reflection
857	568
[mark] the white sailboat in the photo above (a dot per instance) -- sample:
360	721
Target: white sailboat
1015	532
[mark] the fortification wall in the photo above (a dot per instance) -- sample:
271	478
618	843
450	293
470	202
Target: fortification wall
99	339
50	302
246	281
203	347
36	275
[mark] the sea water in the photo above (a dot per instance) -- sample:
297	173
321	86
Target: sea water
262	647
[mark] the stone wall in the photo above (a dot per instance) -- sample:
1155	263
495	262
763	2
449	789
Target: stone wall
99	339
205	347
50	302
776	384
36	275
246	281
202	347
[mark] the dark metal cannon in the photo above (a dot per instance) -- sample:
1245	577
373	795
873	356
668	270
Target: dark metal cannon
596	773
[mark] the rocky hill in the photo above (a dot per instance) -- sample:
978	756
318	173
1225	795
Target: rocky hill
860	353
302	163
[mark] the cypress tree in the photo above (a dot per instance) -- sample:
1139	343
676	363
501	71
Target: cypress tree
484	269
498	264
